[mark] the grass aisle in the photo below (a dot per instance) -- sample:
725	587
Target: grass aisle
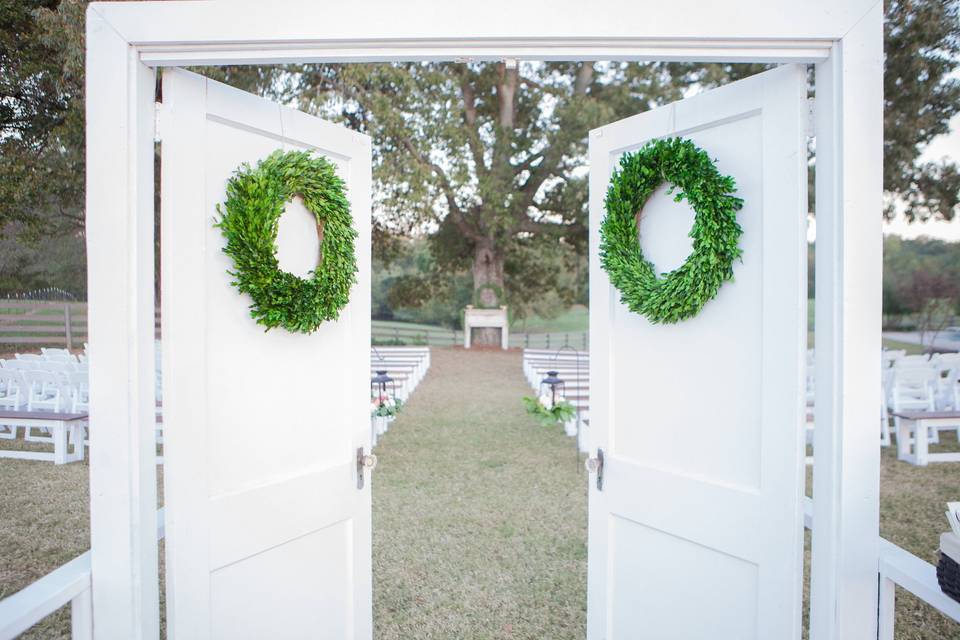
479	513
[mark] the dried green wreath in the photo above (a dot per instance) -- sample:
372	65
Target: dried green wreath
681	293
249	221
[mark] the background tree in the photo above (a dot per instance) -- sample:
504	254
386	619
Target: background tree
489	160
932	298
921	94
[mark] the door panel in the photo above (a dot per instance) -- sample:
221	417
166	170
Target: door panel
267	533
698	531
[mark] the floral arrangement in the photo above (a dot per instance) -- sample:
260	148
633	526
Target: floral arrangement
549	411
385	407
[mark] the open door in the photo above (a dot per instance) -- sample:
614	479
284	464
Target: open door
697	533
267	532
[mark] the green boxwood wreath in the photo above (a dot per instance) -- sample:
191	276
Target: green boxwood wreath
249	221
681	293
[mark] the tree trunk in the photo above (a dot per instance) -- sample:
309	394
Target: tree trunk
487	288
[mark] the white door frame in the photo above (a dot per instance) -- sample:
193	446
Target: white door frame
127	41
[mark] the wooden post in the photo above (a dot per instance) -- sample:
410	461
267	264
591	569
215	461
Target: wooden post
66	326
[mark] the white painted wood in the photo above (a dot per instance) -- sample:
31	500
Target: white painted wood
916	576
379	29
757	31
486	318
698	532
264	539
120	254
849	124
63	433
81	616
28	606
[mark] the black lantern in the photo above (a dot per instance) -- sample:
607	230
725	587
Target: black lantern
555	386
379	386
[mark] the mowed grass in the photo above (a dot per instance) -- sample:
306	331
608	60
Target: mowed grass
479	513
479	516
574	319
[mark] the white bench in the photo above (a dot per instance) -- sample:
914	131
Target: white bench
65	429
916	450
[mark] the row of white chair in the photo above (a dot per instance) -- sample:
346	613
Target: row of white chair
53	380
407	366
928	382
573	367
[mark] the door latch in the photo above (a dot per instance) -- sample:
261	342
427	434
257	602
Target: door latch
364	461
595	465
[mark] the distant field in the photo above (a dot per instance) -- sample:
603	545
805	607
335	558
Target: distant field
391	324
576	319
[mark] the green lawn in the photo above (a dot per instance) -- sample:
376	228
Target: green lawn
575	319
479	512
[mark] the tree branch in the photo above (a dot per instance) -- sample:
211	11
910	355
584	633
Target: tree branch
470	116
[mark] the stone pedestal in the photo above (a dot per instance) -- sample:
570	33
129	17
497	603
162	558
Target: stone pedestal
486	318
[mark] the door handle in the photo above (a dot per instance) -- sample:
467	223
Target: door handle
364	461
595	465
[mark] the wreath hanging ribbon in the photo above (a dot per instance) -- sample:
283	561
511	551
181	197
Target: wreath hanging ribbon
681	293
249	220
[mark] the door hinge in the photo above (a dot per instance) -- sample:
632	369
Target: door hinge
811	118
364	461
595	465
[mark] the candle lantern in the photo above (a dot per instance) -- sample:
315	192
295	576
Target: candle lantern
383	387
553	387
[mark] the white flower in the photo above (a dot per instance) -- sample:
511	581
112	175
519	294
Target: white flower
546	401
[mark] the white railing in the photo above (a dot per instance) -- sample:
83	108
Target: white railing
68	584
900	567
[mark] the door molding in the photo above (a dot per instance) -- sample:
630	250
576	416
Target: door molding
126	41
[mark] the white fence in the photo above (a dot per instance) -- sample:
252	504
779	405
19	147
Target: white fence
70	584
900	567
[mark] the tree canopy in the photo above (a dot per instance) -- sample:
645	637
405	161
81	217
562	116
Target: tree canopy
485	159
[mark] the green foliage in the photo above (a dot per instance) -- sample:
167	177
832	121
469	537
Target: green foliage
920	290
921	95
387	409
249	221
488	162
681	293
497	292
560	412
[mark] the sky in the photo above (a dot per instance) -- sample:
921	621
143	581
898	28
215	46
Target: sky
942	146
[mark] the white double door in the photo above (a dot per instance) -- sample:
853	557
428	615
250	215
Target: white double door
697	532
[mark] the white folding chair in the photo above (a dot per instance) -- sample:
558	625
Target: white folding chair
46	391
55	351
914	390
79	391
28	356
919	360
63	369
22	365
890	356
12	397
